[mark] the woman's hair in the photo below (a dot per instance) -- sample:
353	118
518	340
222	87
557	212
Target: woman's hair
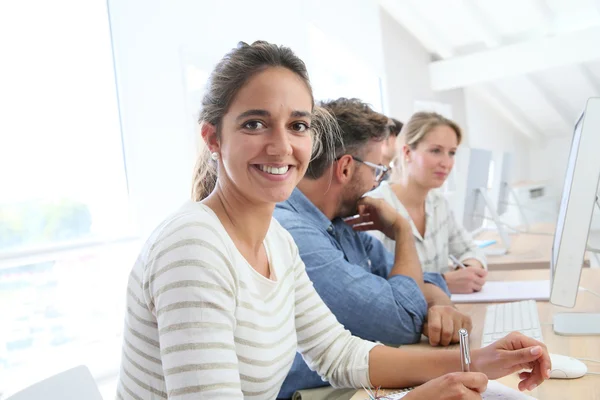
231	73
415	130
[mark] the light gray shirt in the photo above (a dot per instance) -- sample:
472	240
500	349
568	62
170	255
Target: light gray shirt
443	235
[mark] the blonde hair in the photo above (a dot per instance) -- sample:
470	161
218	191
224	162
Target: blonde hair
230	74
414	131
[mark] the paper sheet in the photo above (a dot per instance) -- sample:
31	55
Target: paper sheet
507	291
495	391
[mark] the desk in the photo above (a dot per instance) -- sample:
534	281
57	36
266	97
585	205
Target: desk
587	387
527	251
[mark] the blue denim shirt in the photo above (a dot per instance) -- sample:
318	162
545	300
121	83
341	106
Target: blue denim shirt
349	271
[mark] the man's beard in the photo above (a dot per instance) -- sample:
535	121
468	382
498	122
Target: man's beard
349	202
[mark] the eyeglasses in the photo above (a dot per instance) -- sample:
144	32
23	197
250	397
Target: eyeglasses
381	171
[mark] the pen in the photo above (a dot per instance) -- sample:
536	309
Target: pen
465	351
456	262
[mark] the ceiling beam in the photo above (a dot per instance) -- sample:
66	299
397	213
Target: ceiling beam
504	107
417	25
480	24
516	59
556	102
590	79
547	17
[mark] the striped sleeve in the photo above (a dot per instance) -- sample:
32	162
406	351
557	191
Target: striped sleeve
325	345
190	285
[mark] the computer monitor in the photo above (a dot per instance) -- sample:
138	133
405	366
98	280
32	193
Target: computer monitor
477	181
574	219
504	190
477	199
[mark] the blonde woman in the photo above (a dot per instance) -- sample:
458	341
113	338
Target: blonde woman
219	301
425	152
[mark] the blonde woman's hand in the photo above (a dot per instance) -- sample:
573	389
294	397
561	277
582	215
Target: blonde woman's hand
465	280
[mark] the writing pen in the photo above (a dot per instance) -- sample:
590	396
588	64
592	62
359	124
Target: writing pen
456	262
465	351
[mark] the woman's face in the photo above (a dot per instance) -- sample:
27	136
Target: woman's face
430	163
265	144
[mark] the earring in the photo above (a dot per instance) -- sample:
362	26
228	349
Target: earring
214	155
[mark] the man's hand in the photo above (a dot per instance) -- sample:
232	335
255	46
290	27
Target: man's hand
377	214
465	280
443	323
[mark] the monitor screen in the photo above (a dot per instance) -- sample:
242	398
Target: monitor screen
504	187
564	202
576	207
477	179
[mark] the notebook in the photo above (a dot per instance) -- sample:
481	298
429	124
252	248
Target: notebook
507	291
495	391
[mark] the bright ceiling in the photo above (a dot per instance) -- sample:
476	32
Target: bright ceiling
535	61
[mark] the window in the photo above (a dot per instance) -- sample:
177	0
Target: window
63	191
195	79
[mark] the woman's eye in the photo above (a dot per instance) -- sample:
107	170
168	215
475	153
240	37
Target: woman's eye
300	127
435	151
253	125
452	153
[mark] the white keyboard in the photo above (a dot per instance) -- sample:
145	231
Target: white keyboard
504	318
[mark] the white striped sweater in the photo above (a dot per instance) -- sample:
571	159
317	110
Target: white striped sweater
201	323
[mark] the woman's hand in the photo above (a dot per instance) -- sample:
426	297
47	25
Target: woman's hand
465	280
513	353
454	386
472	262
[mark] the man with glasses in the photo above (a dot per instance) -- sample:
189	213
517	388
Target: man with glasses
381	171
375	294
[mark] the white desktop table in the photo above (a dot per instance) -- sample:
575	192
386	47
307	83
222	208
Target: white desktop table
587	387
527	250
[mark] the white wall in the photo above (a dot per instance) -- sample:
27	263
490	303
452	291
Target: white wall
488	130
548	162
407	74
151	38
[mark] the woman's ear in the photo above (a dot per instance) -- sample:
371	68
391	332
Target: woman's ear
209	135
405	153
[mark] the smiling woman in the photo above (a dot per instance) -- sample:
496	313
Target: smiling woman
263	152
219	301
260	128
